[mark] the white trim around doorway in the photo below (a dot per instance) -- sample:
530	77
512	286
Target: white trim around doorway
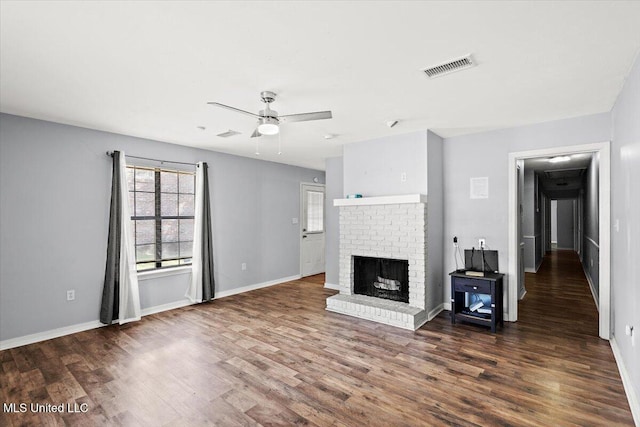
604	149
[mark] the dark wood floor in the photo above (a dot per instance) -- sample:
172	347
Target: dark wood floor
275	357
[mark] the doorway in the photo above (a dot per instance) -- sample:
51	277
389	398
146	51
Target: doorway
604	188
312	229
565	224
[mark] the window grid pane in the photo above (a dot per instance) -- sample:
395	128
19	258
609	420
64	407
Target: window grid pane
187	183
169	204
168	182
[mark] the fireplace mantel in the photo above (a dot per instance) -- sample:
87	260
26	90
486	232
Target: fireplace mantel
382	200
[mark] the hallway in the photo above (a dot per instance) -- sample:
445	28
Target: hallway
558	321
559	293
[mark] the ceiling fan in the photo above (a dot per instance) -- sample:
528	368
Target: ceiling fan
269	120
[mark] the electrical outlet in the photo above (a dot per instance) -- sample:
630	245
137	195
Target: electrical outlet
403	177
294	220
243	266
481	243
71	295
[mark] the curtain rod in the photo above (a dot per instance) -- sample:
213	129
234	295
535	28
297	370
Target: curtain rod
110	154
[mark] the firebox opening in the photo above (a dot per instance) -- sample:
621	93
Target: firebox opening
381	278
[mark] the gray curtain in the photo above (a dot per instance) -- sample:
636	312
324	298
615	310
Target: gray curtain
208	281
110	292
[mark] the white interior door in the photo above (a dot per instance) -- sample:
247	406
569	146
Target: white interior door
312	229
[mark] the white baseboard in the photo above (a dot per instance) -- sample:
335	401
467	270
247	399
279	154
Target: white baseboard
331	286
47	335
165	307
81	327
522	293
248	288
533	270
632	396
591	288
433	313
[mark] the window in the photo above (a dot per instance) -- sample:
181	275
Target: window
162	210
315	211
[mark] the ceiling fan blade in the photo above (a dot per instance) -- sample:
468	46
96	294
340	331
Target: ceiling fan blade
303	117
256	134
217	104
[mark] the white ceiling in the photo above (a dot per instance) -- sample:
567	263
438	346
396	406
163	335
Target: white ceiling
148	68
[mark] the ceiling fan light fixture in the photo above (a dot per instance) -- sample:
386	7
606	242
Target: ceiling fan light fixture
268	126
269	120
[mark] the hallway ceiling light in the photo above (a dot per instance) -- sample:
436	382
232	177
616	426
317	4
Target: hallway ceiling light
559	159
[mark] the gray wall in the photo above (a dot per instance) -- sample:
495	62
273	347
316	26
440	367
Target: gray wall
374	167
566	224
554	221
332	219
486	154
435	220
528	208
625	240
591	234
531	222
54	199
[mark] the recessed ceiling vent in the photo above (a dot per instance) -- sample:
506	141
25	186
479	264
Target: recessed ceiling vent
228	133
449	67
564	173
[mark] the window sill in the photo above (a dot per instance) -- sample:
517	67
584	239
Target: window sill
164	272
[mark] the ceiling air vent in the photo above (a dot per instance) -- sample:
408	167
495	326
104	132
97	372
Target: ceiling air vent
228	133
564	173
449	67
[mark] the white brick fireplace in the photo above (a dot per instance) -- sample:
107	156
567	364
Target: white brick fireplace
393	227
